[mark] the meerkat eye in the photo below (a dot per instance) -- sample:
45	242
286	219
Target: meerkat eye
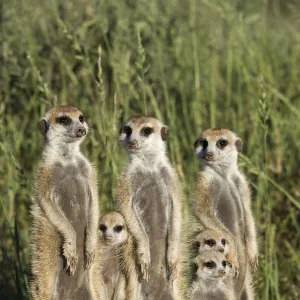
118	228
81	118
103	227
147	131
224	263
223	241
222	144
204	143
210	264
195	267
210	242
63	120
197	244
127	130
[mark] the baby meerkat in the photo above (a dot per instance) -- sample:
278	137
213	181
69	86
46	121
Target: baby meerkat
211	240
65	212
116	246
212	280
223	201
113	233
149	197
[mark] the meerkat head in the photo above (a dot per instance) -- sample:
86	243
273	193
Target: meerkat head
63	124
210	265
211	240
113	230
144	135
218	147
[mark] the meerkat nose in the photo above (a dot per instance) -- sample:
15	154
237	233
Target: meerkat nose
209	156
133	144
221	273
221	250
81	132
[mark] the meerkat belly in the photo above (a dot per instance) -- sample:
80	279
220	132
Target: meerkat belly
72	198
111	273
231	213
151	203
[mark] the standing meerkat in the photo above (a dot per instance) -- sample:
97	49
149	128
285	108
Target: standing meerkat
223	201
65	212
149	197
116	244
212	277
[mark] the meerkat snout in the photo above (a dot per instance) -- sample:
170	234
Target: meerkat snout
81	132
133	144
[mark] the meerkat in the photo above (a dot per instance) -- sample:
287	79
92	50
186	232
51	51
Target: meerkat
115	240
65	213
223	202
211	240
212	277
149	197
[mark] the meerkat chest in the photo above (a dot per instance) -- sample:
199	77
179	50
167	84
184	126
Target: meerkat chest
151	195
72	191
228	203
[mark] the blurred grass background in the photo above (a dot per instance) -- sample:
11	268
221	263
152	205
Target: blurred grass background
193	64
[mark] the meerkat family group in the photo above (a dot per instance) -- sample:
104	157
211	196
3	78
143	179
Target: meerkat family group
135	252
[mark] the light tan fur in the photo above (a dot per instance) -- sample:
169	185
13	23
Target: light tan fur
53	235
149	158
217	170
116	247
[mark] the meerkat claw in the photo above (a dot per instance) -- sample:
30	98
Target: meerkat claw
144	270
90	256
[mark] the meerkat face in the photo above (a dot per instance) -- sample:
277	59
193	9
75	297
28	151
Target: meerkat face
211	265
63	124
113	230
218	147
143	135
211	240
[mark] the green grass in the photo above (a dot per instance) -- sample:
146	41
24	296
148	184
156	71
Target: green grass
194	65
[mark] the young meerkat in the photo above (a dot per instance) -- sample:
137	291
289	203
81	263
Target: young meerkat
210	239
212	278
65	212
149	197
223	201
120	282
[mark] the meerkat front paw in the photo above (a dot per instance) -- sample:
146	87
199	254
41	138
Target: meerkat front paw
253	261
173	271
69	252
234	264
144	261
90	251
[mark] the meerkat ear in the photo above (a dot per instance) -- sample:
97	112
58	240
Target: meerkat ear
43	126
164	133
239	145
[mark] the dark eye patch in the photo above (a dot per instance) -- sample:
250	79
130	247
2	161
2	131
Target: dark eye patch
210	264
201	142
210	242
223	241
221	144
118	228
197	244
146	131
64	120
81	118
195	267
103	227
127	130
224	263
